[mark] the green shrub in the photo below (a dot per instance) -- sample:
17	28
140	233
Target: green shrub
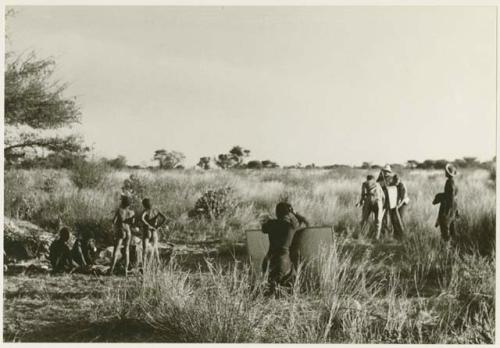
89	174
214	204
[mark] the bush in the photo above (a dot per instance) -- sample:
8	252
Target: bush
214	204
89	174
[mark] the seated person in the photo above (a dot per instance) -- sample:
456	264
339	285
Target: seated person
84	251
59	252
280	232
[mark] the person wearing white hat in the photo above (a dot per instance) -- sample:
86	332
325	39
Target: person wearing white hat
448	211
385	176
385	179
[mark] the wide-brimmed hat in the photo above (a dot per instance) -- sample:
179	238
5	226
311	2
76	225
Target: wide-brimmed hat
387	168
450	169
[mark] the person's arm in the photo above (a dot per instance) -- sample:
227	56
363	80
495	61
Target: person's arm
80	252
143	219
402	195
381	177
162	217
302	219
266	226
363	195
115	217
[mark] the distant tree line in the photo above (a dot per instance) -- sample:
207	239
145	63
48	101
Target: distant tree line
234	159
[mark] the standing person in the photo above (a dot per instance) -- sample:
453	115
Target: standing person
122	222
151	219
385	179
385	176
402	198
372	200
448	210
280	232
59	252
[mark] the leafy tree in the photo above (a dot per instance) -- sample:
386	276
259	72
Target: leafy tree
224	161
35	103
119	162
471	162
54	160
204	163
412	164
239	154
255	165
168	159
234	159
269	164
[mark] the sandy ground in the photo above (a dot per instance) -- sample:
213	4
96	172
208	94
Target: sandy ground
47	308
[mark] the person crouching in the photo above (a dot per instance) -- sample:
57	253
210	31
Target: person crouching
60	254
280	232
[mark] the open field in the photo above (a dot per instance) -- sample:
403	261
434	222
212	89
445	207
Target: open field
360	291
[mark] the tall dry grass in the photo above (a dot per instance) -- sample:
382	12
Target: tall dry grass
338	298
325	197
359	291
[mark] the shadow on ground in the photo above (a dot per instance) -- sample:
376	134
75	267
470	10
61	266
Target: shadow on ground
126	330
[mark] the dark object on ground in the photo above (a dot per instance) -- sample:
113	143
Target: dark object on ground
306	245
24	241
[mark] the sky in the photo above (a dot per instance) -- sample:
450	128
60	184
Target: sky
319	85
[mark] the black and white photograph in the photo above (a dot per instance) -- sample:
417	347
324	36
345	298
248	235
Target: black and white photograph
238	173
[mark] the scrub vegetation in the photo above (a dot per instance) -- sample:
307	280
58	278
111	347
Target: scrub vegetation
357	291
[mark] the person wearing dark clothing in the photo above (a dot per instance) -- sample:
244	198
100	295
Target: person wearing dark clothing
372	200
385	179
280	232
83	251
448	210
402	197
385	176
59	252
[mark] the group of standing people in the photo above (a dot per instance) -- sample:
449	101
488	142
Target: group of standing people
376	200
150	220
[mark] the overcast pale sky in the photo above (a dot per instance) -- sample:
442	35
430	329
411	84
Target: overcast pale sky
317	85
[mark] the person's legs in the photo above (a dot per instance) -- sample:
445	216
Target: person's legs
118	245
156	252
145	242
127	251
379	216
365	215
397	225
402	211
402	214
452	230
444	227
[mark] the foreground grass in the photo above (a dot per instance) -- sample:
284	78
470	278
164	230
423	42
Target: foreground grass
340	299
354	293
